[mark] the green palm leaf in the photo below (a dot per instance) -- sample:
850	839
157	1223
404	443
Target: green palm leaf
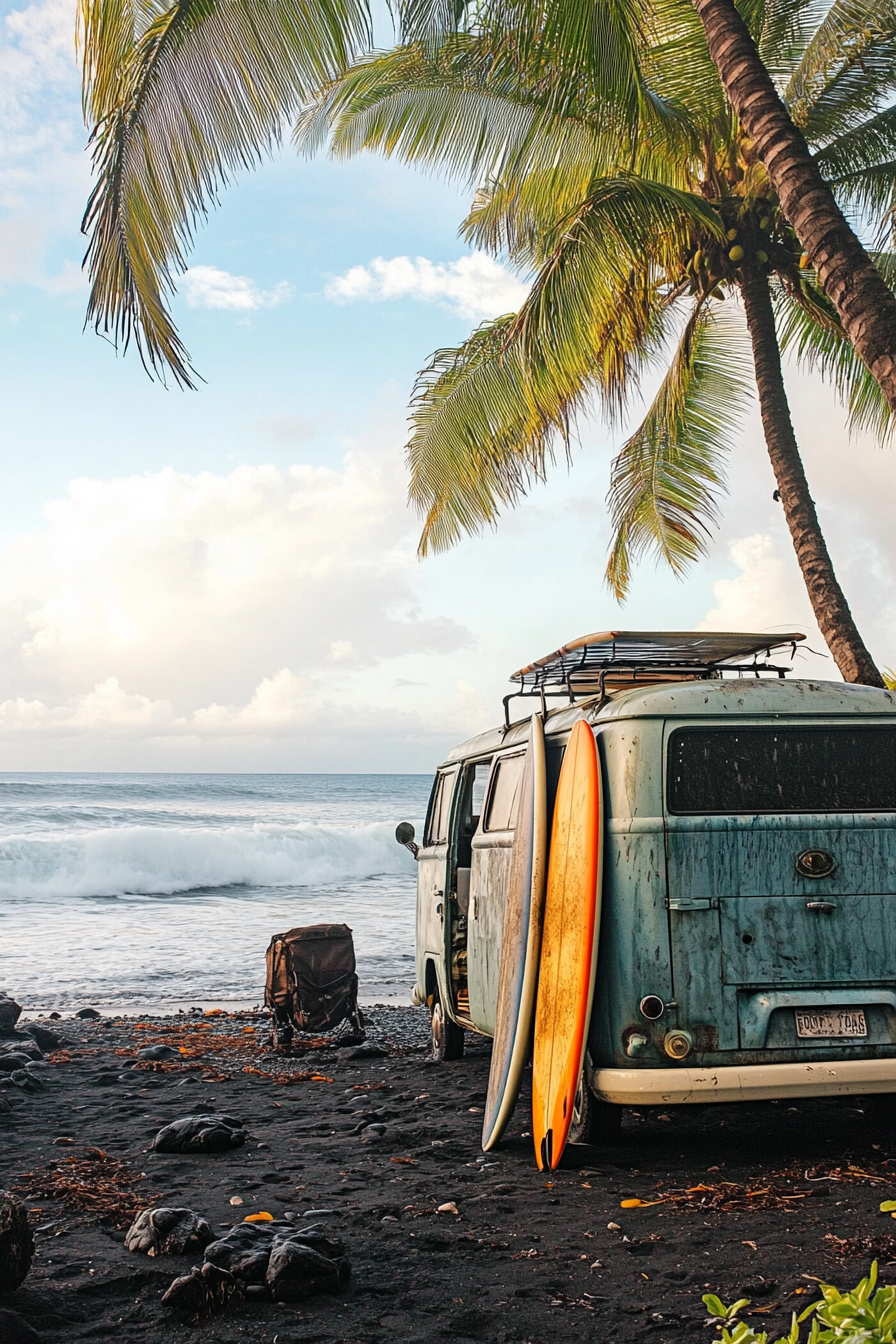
809	327
400	106
202	92
666	480
488	415
847	68
861	164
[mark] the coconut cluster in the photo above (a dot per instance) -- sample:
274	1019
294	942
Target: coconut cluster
754	234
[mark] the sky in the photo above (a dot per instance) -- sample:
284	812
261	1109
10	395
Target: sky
227	579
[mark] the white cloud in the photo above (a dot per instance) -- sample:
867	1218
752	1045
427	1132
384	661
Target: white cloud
761	595
769	596
204	606
209	287
475	286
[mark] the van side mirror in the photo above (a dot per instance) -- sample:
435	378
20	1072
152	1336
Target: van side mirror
404	834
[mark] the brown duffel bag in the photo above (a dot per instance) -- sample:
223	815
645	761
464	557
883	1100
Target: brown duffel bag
311	981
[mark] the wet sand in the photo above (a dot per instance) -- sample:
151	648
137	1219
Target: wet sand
380	1141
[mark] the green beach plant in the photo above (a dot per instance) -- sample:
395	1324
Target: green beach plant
866	1315
611	169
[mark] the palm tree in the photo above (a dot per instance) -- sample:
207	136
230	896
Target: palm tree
610	167
637	218
861	59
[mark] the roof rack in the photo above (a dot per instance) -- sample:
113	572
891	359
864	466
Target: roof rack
614	659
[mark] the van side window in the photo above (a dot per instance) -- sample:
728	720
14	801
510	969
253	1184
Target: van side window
475	778
503	797
439	810
477	791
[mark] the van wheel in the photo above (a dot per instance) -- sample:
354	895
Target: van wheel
447	1036
593	1121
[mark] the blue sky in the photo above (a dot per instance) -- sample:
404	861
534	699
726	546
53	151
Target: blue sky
226	578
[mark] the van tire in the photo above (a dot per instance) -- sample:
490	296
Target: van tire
593	1121
447	1036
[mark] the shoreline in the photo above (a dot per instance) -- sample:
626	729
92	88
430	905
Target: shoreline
176	1007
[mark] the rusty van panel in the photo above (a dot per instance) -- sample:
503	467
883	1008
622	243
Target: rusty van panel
773	940
485	925
633	957
757	856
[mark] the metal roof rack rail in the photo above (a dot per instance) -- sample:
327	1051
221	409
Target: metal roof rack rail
617	658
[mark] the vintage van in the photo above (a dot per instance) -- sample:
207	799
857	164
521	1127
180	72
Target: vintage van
748	929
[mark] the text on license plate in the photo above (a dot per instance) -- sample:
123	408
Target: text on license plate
838	1023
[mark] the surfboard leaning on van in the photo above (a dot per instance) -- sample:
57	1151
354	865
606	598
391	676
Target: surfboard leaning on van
677	884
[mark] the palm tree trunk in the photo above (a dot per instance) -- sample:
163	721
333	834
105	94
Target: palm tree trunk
829	604
866	305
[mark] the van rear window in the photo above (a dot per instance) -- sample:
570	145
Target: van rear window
818	769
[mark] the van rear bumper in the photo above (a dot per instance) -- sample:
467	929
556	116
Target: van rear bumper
747	1082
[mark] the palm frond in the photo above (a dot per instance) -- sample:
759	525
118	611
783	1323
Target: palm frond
847	68
810	328
399	106
106	33
488	415
783	30
483	109
591	309
861	164
429	22
667	478
203	92
678	64
482	435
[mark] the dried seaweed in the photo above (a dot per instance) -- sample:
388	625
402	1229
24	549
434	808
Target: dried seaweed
776	1189
220	1051
289	1077
863	1248
93	1183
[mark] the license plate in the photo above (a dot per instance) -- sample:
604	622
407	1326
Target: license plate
838	1023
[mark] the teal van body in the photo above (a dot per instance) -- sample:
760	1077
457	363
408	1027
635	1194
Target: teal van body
748	931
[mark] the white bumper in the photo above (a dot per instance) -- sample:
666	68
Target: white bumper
747	1082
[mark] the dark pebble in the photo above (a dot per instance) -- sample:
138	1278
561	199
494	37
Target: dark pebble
158	1052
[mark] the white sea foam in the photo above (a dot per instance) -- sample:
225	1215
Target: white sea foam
161	860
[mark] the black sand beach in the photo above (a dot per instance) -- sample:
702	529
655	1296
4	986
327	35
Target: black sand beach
756	1201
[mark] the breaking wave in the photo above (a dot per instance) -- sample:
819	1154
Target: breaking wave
160	860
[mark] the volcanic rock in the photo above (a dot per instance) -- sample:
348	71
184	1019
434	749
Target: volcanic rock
16	1243
202	1291
9	1012
200	1134
168	1232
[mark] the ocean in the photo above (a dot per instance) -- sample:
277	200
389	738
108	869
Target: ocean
149	891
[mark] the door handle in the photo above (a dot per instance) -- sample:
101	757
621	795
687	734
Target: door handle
823	907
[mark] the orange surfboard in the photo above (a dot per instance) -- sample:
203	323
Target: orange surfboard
568	945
